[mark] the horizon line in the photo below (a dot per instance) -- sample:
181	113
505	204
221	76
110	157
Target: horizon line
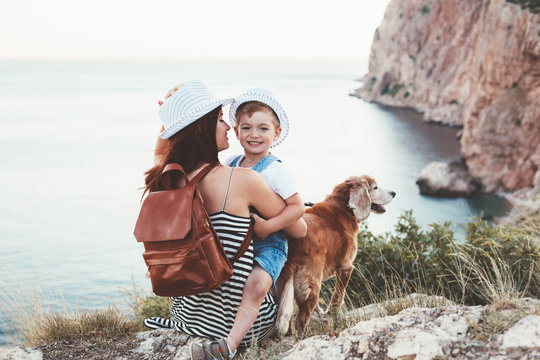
128	57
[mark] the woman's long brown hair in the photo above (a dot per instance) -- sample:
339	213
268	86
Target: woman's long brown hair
191	147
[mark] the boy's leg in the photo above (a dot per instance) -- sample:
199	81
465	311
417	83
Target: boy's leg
257	286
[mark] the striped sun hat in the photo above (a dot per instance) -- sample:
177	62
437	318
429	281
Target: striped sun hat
187	104
266	97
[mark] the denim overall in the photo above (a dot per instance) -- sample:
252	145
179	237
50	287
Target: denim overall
271	252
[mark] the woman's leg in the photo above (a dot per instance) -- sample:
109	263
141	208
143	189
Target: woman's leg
257	286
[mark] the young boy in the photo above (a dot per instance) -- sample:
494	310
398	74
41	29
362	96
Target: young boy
260	123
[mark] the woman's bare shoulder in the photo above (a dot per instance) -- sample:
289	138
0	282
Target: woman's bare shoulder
248	176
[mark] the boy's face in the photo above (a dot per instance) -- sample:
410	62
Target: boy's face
256	133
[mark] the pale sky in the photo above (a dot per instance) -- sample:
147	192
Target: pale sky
180	28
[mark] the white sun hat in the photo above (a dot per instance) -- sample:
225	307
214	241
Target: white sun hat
187	104
266	97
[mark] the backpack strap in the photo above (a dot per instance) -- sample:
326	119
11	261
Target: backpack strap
173	166
202	173
196	179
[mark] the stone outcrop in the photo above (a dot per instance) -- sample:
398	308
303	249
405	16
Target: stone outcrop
414	333
446	180
17	353
526	203
448	331
474	64
523	334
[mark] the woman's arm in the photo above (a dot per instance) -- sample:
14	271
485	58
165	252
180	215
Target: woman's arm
290	220
259	194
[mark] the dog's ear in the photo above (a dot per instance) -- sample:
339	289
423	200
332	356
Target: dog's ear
359	199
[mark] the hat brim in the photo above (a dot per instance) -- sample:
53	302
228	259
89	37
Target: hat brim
193	116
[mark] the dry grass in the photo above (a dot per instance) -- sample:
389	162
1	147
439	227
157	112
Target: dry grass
494	276
145	305
494	322
496	282
36	316
97	325
269	349
23	304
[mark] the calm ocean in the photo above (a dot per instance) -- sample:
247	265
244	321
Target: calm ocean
76	137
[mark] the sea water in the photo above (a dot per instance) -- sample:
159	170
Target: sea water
76	137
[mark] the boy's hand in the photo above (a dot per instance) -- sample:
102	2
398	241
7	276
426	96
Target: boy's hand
261	227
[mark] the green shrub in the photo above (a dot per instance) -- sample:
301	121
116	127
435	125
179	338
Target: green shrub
405	261
492	263
145	305
155	306
532	5
391	91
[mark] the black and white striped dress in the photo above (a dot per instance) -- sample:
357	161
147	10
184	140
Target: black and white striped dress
212	314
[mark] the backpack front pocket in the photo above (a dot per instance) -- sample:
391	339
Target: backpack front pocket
177	272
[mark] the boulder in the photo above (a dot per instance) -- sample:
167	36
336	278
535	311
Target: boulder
524	334
20	353
447	180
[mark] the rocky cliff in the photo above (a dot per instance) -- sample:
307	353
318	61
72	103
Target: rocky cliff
474	64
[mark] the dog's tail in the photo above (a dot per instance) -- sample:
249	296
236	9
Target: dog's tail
286	300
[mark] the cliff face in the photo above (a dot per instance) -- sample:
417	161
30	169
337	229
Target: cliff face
474	64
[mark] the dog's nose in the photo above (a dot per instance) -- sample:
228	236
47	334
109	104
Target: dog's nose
393	193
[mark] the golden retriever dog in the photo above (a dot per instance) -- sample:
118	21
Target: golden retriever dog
328	249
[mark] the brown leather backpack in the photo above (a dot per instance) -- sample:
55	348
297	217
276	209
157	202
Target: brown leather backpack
182	250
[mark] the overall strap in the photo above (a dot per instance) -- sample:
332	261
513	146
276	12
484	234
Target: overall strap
227	190
265	162
235	161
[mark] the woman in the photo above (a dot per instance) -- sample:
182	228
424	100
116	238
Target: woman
195	132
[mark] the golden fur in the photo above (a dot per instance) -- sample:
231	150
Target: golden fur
328	249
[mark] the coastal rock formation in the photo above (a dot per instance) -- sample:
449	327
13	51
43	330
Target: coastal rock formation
474	64
526	202
446	180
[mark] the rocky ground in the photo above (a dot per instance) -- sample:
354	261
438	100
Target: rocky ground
510	330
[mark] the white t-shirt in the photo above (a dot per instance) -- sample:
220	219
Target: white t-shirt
277	176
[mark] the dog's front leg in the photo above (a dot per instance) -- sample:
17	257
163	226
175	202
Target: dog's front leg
343	275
